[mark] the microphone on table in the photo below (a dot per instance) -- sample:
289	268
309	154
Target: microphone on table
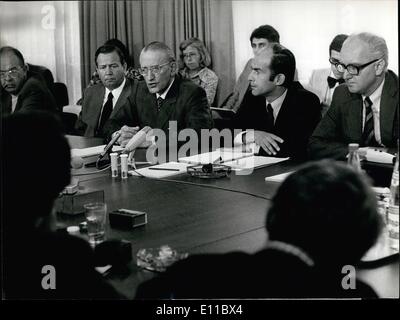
109	145
137	140
76	162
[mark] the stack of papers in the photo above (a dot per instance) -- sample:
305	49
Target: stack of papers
278	177
253	162
161	170
218	156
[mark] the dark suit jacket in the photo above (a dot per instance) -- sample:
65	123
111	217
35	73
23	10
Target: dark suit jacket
92	104
342	123
185	103
297	118
34	95
267	274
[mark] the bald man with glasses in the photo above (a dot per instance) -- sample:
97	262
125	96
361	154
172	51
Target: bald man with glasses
365	109
21	89
164	96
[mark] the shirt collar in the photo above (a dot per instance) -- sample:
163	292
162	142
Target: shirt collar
376	95
117	91
277	103
164	94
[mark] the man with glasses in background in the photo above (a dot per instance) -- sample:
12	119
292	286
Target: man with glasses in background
164	96
324	81
20	89
365	110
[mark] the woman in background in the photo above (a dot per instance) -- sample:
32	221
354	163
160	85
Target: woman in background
195	59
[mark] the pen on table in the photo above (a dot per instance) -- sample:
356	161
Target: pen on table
164	169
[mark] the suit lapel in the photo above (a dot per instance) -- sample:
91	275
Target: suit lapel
168	106
5	102
387	109
126	91
284	113
98	101
353	117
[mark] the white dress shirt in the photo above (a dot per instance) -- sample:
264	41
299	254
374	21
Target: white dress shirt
276	107
14	100
116	93
164	94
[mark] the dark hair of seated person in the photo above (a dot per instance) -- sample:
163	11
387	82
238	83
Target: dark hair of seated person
35	169
322	218
328	210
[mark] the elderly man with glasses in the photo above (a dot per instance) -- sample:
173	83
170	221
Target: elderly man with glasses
366	109
163	97
20	89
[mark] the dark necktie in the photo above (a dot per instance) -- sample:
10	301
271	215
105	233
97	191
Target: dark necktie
332	81
270	117
368	135
107	109
160	102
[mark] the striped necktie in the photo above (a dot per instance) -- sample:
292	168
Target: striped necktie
368	135
160	102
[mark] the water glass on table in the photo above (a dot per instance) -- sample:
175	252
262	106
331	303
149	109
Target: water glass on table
96	214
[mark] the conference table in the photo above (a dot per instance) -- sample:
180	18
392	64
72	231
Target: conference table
194	215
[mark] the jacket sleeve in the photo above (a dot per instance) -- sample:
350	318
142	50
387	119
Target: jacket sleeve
325	142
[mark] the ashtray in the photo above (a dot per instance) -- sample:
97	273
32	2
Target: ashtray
158	259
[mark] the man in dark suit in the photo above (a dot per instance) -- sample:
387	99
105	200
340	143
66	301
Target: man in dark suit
37	261
20	89
364	110
282	114
104	99
311	237
162	97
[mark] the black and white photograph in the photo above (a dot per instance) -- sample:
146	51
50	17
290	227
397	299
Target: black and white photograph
191	156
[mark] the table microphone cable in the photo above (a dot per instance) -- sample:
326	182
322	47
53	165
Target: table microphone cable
204	186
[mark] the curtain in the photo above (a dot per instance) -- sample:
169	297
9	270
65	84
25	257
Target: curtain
137	23
47	34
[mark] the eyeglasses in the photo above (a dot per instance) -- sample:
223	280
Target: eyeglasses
334	61
13	72
352	69
156	70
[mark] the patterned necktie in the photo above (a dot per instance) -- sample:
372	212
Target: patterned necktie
368	135
160	102
270	116
107	109
332	81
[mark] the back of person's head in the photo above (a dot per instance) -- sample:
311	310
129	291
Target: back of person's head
35	167
328	210
337	43
12	51
283	61
105	49
265	32
205	58
159	46
117	43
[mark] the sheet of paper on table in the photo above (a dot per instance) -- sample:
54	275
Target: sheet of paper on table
172	169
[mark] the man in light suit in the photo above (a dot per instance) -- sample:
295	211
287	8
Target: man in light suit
106	98
162	97
365	109
282	113
324	81
21	90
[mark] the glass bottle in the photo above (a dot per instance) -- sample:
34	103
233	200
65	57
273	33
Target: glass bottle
354	158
